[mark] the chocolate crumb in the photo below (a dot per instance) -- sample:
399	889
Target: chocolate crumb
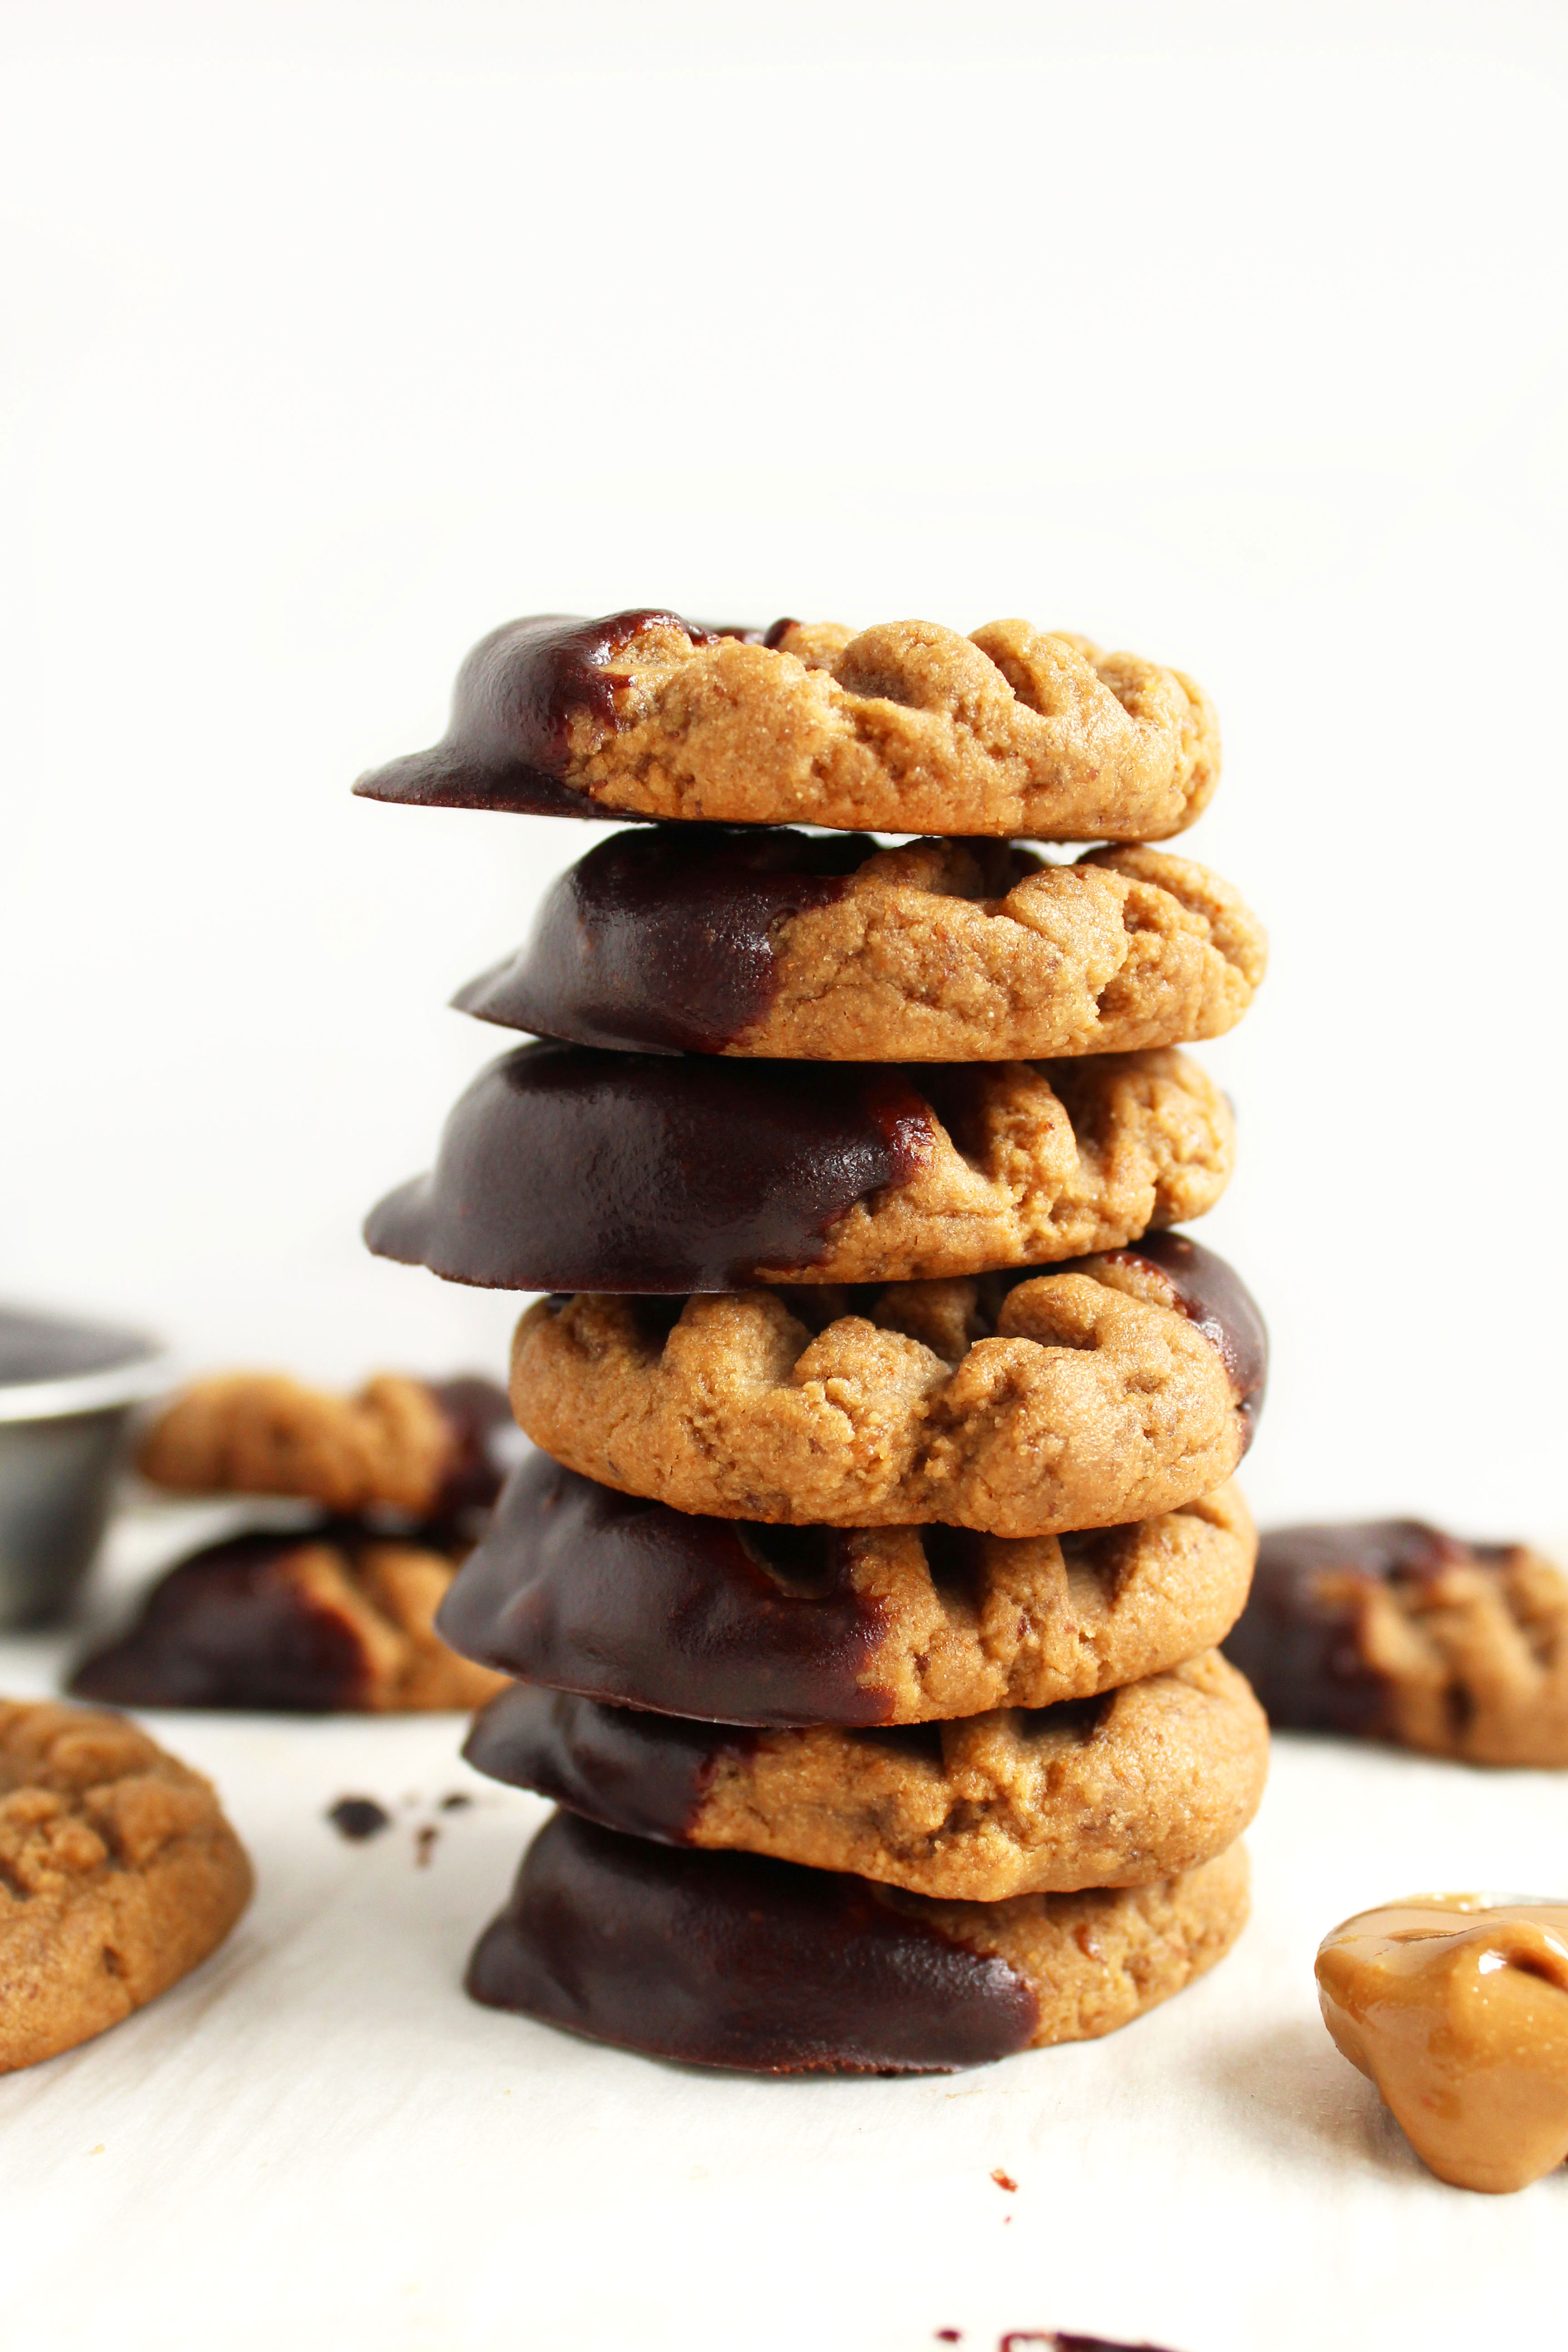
456	1801
358	1817
425	1844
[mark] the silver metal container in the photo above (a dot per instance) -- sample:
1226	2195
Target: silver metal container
66	1390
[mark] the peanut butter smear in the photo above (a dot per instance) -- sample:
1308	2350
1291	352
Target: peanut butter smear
1457	2007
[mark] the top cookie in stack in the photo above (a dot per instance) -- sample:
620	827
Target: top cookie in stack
858	1162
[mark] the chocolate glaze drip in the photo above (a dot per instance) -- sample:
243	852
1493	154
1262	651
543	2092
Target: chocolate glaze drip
1212	1294
646	1774
663	942
583	1589
517	693
224	1630
562	1169
731	1959
1297	1640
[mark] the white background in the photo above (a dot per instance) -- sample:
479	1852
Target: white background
336	334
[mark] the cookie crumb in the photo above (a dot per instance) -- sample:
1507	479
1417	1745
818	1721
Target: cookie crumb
1004	2180
358	1817
98	2150
425	1844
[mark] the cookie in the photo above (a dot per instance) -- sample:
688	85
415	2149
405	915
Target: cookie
566	1169
583	1589
117	1874
731	1960
905	727
435	1451
1135	1785
706	940
330	1621
1395	1631
1111	1390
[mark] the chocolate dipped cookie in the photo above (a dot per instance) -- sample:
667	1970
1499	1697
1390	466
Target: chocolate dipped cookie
431	1451
1113	1390
332	1620
566	1169
583	1589
1117	1790
716	940
905	727
737	1960
1393	1630
118	1876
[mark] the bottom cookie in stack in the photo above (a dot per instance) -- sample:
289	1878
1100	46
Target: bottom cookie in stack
1023	1831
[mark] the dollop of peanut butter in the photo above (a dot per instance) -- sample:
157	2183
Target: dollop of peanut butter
1457	2007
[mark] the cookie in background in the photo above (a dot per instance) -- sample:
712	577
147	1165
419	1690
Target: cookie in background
337	1615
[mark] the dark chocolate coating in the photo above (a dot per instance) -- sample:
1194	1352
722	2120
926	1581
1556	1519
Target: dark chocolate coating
662	941
563	1168
583	1589
487	1450
222	1630
646	1774
516	695
1211	1293
733	1959
1299	1645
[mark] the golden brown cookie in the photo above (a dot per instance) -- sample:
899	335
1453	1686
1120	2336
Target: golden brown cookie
332	1620
705	940
905	727
734	1959
1021	1405
565	1169
117	1874
582	1589
1135	1785
1395	1631
431	1451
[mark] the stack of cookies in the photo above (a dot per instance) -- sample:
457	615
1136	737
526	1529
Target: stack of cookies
864	1599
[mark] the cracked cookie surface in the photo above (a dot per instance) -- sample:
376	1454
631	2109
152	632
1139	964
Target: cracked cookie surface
562	1168
704	939
1393	1630
579	1588
331	1620
1134	1785
905	727
1022	1405
431	1451
117	1874
737	1960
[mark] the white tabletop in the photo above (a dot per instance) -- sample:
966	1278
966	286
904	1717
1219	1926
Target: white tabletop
316	2138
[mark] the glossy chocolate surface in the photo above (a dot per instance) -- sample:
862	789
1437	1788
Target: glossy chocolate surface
646	1774
1297	1640
663	941
563	1168
583	1589
517	693
731	1959
224	1629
